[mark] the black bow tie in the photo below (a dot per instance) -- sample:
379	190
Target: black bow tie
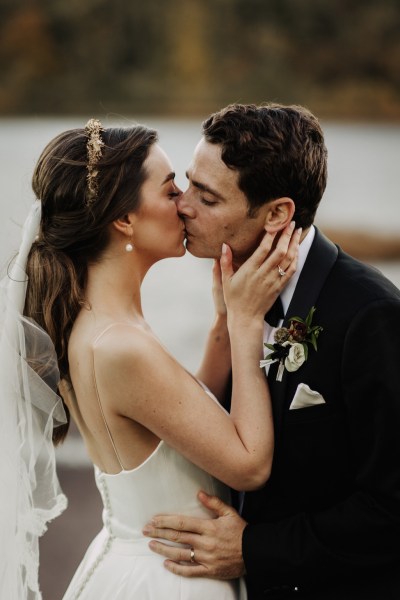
275	313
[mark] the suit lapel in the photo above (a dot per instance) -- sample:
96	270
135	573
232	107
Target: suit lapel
320	260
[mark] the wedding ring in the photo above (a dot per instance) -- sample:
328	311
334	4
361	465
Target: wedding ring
281	272
192	555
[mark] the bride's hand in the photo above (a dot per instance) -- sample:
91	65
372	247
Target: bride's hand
253	288
218	292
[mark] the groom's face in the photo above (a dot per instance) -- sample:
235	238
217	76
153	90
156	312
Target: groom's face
215	209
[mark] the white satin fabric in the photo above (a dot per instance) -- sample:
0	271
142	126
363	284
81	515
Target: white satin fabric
119	563
30	494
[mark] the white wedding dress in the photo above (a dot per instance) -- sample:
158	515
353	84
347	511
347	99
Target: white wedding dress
118	564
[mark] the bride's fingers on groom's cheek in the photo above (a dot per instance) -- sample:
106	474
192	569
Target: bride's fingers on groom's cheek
293	249
261	253
279	255
289	263
294	242
285	240
217	271
293	265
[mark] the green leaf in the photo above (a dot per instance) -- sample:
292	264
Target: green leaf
305	351
313	341
299	319
309	317
315	330
270	347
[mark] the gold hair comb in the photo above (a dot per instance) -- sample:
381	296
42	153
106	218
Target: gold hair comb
94	145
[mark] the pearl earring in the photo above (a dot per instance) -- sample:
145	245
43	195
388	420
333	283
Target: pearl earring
129	247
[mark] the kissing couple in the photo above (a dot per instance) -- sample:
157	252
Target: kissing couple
271	474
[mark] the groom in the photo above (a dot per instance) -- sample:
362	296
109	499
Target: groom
327	523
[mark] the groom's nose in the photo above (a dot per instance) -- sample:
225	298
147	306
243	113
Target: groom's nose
185	206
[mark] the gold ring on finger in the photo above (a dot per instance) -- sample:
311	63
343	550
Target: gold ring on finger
192	559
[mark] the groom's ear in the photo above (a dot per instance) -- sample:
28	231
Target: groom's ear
279	214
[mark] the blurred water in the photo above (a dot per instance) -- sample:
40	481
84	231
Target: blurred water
362	192
363	186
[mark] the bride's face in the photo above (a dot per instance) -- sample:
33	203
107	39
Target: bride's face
159	232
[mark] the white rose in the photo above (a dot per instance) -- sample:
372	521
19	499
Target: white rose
295	358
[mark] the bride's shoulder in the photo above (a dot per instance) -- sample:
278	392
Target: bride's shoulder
119	343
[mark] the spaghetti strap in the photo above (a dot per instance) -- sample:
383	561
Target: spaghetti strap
98	395
96	339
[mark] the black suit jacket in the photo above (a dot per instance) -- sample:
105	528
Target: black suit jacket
327	523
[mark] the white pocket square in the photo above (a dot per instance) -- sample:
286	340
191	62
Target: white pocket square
305	396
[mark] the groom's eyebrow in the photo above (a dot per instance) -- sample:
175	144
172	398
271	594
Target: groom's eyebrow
169	177
204	188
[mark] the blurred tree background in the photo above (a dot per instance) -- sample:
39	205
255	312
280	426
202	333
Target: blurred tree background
189	57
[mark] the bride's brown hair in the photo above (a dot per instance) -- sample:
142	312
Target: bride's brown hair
75	232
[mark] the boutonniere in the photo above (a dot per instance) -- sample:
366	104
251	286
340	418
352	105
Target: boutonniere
291	344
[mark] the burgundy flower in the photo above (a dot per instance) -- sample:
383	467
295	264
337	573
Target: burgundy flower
298	331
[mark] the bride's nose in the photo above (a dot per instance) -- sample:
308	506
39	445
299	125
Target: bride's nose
184	206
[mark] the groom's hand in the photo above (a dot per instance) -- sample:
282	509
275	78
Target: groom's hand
216	543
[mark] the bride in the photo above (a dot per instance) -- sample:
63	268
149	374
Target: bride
155	434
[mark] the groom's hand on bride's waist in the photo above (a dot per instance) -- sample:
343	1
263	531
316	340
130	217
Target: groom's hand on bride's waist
213	546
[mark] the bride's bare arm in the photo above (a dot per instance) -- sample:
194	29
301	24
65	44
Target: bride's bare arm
141	381
216	363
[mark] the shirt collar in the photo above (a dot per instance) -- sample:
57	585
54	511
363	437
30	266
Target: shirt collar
304	248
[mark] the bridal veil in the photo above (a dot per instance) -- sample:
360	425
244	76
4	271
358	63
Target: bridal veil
30	495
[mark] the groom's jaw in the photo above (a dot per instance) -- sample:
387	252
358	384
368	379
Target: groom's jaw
201	251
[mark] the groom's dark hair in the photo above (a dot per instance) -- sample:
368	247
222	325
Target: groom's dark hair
278	151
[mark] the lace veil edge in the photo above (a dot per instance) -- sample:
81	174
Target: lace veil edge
30	494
